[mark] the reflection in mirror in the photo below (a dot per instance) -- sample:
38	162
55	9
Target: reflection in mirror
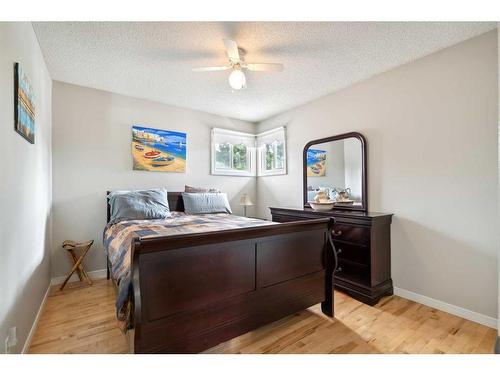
335	172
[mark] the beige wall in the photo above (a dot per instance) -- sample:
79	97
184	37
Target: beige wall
25	187
431	128
91	154
497	347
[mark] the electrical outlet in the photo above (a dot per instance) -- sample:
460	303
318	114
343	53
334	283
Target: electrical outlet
11	339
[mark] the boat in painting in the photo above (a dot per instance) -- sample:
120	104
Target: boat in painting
152	154
162	161
315	169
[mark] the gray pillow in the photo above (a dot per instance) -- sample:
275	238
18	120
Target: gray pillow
191	189
138	205
206	203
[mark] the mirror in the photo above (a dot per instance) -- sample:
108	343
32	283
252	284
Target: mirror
334	170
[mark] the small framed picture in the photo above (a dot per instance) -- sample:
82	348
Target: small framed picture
24	105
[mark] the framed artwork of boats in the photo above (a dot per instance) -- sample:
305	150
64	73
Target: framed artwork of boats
158	150
316	163
24	105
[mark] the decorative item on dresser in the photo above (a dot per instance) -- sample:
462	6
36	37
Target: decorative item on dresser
362	238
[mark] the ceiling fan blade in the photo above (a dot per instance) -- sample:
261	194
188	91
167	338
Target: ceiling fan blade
211	68
264	67
232	50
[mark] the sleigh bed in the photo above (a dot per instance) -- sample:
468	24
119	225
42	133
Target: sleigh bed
191	291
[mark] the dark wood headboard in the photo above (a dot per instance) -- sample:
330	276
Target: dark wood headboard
175	203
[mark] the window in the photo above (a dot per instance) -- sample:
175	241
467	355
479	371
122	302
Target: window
223	156
274	155
233	153
269	155
242	154
240	157
228	156
272	152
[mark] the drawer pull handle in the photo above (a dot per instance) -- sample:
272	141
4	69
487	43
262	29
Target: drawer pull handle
336	234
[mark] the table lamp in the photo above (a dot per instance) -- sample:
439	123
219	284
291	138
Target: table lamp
245	202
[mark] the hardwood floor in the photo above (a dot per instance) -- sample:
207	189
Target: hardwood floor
81	319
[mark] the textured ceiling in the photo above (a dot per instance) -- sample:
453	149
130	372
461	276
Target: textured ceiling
154	60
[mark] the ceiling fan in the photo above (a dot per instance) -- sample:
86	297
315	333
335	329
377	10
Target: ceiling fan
237	78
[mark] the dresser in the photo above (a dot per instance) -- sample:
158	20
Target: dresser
363	244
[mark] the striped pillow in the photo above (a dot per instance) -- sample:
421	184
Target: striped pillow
191	189
138	205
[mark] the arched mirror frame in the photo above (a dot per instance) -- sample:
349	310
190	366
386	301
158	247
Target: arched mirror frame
364	187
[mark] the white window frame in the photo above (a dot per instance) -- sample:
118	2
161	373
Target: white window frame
269	137
221	136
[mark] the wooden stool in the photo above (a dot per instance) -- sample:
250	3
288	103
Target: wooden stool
71	246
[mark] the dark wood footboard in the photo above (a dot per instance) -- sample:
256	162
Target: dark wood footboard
192	292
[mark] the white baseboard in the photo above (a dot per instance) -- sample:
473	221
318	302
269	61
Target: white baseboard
98	274
27	343
446	307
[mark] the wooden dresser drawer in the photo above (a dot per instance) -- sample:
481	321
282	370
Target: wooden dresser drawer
354	272
358	254
351	233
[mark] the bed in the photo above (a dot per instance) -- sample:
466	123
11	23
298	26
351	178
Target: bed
188	283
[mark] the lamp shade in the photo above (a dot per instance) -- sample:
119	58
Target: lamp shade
245	200
237	79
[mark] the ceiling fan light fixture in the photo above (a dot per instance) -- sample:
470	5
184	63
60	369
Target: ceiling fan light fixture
237	79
